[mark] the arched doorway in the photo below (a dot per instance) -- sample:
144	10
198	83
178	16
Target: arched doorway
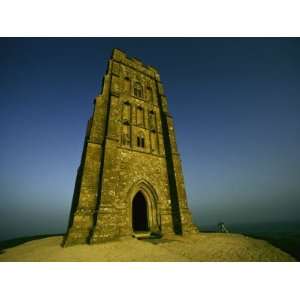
139	213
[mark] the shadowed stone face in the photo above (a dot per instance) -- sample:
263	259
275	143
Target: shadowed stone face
130	176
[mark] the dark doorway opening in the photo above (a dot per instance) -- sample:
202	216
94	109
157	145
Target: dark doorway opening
139	213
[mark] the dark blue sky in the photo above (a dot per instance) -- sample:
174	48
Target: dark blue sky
235	102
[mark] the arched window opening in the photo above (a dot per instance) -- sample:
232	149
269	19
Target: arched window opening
138	90
149	94
140	116
126	112
140	140
127	85
126	136
152	121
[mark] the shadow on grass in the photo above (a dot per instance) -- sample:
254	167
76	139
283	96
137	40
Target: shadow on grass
18	241
160	241
287	242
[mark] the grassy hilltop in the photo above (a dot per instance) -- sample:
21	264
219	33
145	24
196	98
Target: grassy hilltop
196	247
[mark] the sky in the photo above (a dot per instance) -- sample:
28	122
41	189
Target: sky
236	108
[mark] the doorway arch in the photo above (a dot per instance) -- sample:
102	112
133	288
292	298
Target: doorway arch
140	213
144	191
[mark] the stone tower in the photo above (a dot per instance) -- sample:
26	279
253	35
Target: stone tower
130	177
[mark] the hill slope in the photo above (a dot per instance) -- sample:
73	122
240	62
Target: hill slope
196	247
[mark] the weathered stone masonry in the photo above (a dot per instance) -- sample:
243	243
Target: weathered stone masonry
130	166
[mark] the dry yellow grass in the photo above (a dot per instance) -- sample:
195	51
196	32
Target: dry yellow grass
196	247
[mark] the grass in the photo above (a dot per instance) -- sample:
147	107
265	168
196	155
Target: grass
288	242
18	241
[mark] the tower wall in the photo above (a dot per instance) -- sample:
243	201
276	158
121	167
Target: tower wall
130	146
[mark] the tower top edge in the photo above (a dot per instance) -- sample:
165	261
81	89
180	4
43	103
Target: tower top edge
118	54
